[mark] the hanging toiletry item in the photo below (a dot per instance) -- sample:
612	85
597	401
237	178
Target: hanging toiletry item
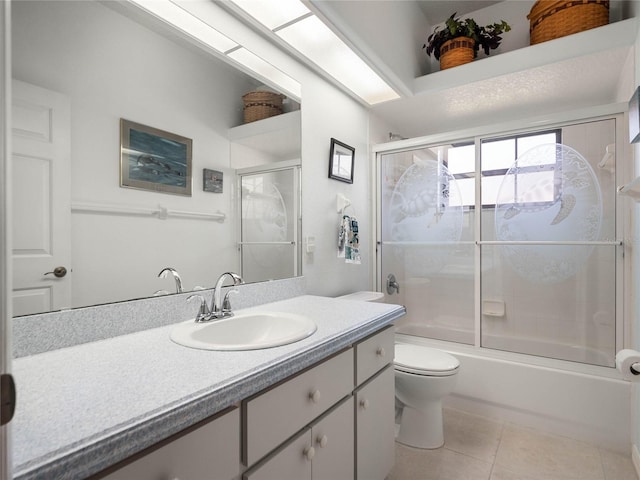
343	232
352	249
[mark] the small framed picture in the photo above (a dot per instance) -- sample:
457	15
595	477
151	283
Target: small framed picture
341	159
154	160
211	181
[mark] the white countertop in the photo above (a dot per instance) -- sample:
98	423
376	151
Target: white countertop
83	408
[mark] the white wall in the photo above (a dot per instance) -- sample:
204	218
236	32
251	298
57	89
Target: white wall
327	114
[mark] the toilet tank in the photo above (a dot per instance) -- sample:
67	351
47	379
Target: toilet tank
364	296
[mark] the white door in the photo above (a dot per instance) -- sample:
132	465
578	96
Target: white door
41	200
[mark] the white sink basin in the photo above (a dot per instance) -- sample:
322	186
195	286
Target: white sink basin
249	331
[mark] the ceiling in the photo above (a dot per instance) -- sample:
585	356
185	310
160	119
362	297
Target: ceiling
437	11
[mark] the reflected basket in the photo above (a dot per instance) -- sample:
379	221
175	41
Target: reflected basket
261	104
550	19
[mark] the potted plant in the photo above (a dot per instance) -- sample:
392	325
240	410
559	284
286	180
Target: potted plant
460	40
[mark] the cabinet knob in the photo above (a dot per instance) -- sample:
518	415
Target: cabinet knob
381	352
309	453
314	396
364	403
322	441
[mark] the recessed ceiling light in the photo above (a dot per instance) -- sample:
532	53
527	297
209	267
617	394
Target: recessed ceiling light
189	24
273	14
318	43
296	25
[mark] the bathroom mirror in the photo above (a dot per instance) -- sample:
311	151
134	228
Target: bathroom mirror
79	68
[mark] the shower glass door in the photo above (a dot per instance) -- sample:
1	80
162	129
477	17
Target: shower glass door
426	239
269	206
507	242
548	248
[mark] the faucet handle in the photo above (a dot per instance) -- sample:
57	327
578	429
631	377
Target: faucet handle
203	314
226	303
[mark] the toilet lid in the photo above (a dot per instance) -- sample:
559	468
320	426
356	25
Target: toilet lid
424	360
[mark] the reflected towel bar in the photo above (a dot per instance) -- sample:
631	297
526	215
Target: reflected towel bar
266	243
160	212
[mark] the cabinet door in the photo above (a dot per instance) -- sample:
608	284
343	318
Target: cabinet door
291	462
211	452
375	442
333	440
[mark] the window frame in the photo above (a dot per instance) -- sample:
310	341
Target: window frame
503	171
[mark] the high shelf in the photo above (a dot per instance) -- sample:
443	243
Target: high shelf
599	40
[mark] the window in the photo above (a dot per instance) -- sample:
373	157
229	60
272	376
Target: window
497	156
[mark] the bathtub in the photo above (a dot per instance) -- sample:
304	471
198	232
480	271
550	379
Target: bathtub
585	402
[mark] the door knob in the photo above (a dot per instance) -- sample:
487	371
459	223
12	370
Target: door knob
58	272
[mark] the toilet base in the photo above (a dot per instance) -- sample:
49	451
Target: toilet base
422	428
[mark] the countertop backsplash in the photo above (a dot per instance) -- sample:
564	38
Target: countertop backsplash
39	333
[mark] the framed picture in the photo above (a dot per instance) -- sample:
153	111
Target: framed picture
212	180
341	160
155	160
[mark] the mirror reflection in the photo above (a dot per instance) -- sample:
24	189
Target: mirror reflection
81	67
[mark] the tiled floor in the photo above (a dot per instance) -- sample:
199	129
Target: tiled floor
480	449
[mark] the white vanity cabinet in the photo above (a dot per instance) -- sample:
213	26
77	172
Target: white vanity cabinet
206	452
335	421
332	421
375	406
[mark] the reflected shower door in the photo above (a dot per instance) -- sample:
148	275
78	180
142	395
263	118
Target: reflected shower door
269	224
426	239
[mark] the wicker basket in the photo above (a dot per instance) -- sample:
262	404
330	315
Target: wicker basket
551	19
457	51
261	104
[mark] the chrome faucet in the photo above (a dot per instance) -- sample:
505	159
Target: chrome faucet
222	308
176	277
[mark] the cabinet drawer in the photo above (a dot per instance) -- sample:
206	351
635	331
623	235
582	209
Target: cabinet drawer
211	451
374	353
273	416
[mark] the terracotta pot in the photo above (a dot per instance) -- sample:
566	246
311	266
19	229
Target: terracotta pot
457	51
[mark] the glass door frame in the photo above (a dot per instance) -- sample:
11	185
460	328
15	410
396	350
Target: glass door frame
297	213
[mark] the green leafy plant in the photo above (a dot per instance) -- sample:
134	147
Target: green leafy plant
487	37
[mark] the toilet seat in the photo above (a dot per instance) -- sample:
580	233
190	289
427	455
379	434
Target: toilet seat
426	361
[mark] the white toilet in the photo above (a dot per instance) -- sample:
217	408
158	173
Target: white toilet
424	376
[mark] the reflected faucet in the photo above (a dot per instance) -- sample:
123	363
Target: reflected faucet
220	308
176	277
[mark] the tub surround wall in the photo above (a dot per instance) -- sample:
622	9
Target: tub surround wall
35	334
